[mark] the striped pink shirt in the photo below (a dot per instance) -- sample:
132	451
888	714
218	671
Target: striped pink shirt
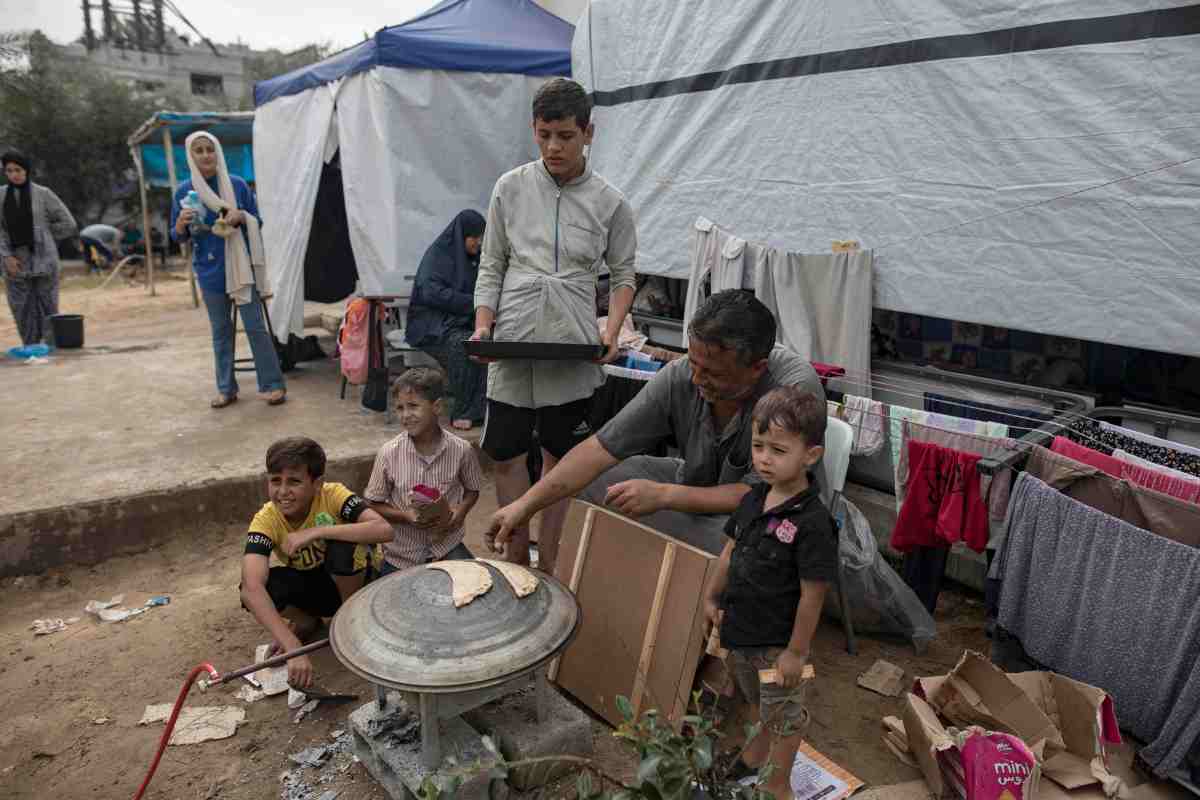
453	470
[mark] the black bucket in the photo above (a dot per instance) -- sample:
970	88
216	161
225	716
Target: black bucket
68	330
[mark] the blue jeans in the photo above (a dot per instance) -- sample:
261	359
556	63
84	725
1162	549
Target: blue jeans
266	360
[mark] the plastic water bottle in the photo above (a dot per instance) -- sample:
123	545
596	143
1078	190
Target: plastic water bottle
193	203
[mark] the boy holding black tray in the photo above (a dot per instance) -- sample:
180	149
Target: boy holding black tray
551	225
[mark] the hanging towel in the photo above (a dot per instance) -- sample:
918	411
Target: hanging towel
1148	439
823	305
994	488
1086	455
721	259
923	419
1020	421
1106	438
866	418
942	504
245	266
1152	476
1104	602
1149	510
1186	480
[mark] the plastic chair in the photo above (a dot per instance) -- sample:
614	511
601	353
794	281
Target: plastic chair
838	438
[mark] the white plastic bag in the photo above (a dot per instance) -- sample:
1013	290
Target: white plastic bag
879	599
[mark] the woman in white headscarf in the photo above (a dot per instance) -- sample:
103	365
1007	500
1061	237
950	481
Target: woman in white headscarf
227	255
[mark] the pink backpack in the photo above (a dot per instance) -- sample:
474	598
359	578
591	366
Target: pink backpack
353	341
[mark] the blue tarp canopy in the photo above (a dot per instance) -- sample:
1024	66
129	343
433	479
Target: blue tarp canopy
234	129
515	36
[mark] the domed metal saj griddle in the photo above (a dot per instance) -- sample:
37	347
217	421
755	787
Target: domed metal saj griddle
403	632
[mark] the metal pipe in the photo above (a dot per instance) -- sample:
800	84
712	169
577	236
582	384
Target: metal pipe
273	661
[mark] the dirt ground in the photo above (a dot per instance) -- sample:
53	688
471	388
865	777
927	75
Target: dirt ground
57	686
135	418
128	413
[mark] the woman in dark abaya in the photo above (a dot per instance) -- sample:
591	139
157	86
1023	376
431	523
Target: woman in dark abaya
441	313
32	222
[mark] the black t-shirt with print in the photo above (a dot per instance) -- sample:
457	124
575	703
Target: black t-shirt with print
772	553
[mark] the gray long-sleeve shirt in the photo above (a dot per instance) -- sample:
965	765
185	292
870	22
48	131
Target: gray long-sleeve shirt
52	222
542	253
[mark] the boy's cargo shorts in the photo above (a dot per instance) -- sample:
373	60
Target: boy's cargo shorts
782	710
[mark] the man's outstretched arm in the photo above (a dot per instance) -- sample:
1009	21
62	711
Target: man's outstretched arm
582	465
639	497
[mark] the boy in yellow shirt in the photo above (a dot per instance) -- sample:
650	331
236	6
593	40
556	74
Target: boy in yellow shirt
326	537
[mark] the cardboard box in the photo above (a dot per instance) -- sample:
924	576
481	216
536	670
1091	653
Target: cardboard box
927	739
1067	723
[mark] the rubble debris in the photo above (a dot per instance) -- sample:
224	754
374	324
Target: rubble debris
305	710
314	756
43	627
110	611
96	606
249	694
296	698
884	678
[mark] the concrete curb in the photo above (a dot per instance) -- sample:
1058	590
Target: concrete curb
35	541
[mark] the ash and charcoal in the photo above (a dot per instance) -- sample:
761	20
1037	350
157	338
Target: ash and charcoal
328	760
397	728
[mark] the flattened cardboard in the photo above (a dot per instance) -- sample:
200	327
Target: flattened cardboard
815	777
883	678
618	576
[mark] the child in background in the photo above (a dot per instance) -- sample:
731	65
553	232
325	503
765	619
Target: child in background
773	574
424	454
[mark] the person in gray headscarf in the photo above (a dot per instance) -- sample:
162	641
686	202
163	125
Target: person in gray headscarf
32	222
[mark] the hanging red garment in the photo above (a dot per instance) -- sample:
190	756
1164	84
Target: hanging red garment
942	503
1086	455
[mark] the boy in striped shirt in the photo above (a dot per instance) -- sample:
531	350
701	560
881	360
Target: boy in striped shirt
424	454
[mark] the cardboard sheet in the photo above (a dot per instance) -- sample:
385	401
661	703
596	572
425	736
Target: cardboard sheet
815	777
884	678
622	579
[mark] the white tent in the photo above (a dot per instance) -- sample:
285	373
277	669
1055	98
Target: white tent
425	116
1033	165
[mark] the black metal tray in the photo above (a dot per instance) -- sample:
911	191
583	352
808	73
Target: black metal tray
541	351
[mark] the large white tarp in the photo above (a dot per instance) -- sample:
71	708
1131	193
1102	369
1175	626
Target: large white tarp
416	147
1052	188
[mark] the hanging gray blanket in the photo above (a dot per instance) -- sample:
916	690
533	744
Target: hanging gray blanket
1104	602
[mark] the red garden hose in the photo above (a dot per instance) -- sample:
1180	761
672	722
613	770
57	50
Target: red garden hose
166	737
217	678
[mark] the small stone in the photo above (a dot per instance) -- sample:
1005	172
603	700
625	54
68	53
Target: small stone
63	580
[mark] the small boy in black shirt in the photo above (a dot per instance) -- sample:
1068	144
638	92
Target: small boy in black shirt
772	577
